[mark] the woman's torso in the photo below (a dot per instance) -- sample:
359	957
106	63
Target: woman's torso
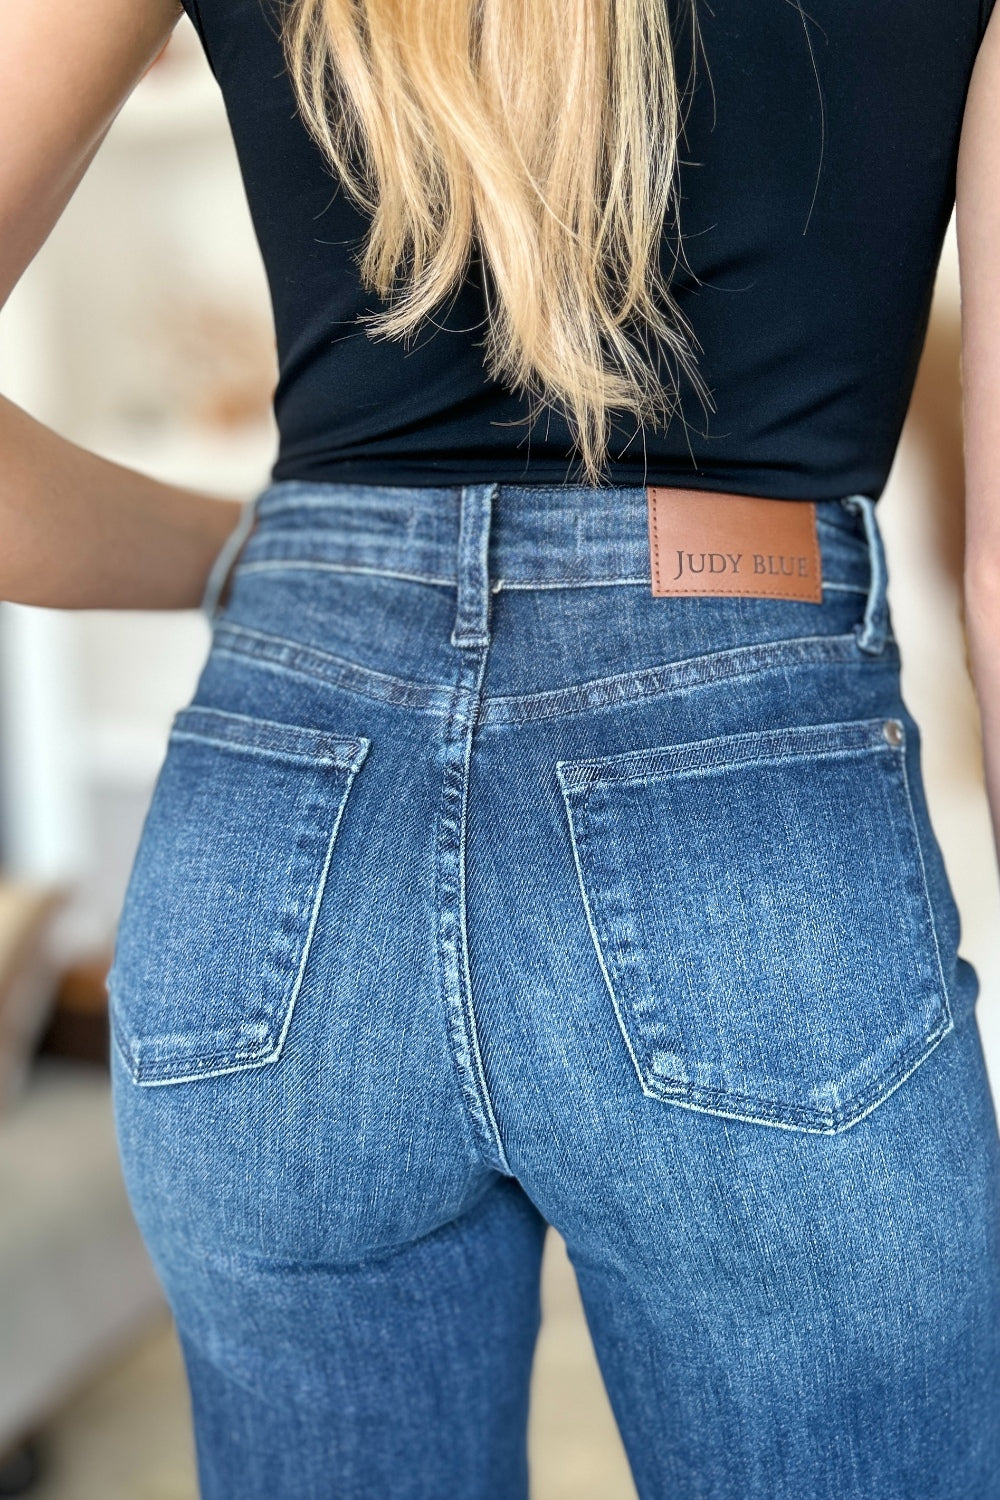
817	180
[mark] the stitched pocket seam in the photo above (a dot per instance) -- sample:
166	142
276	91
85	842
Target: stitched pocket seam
345	755
578	778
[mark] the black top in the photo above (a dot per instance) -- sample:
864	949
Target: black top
817	183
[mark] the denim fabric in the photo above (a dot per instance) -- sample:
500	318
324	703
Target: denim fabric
481	890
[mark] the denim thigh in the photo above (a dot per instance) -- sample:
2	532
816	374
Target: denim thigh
481	889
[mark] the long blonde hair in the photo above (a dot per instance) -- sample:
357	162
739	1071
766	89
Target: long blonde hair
543	132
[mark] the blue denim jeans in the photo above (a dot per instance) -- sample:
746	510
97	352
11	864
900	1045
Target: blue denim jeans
481	890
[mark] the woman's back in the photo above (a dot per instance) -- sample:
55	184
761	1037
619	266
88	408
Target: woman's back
817	179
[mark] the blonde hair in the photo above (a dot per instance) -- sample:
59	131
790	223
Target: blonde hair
543	132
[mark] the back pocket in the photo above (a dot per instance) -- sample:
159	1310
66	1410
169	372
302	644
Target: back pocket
224	893
761	916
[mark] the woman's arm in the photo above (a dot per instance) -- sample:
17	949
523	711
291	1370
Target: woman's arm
978	223
75	529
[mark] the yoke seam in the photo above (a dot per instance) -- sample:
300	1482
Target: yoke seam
675	677
278	654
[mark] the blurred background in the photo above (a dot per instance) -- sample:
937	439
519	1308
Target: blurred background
143	331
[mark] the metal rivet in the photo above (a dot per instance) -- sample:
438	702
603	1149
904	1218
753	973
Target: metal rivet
892	729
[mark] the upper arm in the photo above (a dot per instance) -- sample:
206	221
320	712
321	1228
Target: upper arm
66	68
978	226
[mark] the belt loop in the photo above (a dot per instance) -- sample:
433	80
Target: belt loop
225	558
874	628
472	566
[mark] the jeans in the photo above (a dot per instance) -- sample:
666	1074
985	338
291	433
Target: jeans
479	891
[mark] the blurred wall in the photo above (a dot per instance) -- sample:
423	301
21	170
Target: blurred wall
921	515
143	331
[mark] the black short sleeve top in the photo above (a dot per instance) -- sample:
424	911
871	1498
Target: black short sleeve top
817	181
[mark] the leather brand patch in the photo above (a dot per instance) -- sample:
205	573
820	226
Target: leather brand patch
703	542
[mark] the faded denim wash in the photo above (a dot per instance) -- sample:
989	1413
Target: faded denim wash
481	890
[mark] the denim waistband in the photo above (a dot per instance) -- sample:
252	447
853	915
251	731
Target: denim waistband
537	535
485	537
